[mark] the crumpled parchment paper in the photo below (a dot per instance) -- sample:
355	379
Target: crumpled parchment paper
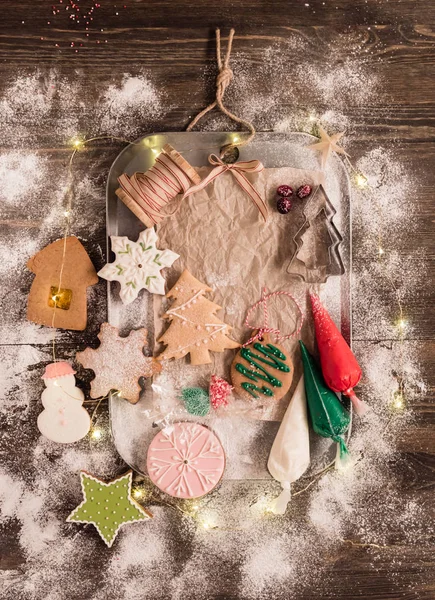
223	241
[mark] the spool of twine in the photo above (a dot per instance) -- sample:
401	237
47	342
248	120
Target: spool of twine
147	194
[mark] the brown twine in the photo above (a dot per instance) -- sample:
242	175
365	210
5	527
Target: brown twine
223	79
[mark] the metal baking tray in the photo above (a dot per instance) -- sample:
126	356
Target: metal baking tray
247	441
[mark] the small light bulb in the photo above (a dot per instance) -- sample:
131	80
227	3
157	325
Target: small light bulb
361	181
312	118
96	434
66	213
398	400
235	139
77	142
195	507
401	324
138	493
206	525
156	151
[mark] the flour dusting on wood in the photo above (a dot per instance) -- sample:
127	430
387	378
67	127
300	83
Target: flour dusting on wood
174	556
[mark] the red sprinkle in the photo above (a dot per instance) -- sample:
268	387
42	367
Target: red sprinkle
219	391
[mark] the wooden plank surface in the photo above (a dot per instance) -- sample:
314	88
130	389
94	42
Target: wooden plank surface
172	39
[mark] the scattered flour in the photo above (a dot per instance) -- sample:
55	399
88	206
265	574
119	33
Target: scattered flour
22	175
173	556
269	566
134	100
18	380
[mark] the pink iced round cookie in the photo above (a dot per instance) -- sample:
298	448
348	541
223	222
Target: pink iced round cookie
186	460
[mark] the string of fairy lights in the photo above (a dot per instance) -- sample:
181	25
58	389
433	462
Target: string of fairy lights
142	489
77	143
400	324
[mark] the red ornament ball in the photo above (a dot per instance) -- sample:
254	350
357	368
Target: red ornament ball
284	205
304	191
284	190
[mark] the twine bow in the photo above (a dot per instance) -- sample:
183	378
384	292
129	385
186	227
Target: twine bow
223	80
238	170
262	329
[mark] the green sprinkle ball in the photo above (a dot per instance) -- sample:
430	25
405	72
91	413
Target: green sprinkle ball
196	401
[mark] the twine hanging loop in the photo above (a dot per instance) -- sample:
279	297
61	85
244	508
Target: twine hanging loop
260	330
223	79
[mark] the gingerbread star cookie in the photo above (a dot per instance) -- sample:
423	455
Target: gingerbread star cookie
328	144
118	363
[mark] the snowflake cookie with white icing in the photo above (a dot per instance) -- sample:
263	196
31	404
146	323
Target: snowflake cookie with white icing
137	265
186	460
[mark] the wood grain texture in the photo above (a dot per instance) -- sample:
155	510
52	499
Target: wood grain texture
173	40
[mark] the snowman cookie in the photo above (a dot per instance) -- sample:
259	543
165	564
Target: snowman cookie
63	420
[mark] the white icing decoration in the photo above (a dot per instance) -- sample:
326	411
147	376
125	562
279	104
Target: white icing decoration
128	479
211	328
63	420
137	265
188	463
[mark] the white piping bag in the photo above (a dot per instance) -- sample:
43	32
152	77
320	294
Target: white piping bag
290	454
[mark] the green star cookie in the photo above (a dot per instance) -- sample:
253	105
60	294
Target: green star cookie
108	506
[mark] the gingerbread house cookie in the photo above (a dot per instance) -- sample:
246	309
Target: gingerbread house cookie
64	307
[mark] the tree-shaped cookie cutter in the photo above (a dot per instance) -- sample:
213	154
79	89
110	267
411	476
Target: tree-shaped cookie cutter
311	272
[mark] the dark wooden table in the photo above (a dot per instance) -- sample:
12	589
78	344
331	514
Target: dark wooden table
172	40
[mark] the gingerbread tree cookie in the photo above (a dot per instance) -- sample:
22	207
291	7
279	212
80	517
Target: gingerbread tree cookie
119	363
194	328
